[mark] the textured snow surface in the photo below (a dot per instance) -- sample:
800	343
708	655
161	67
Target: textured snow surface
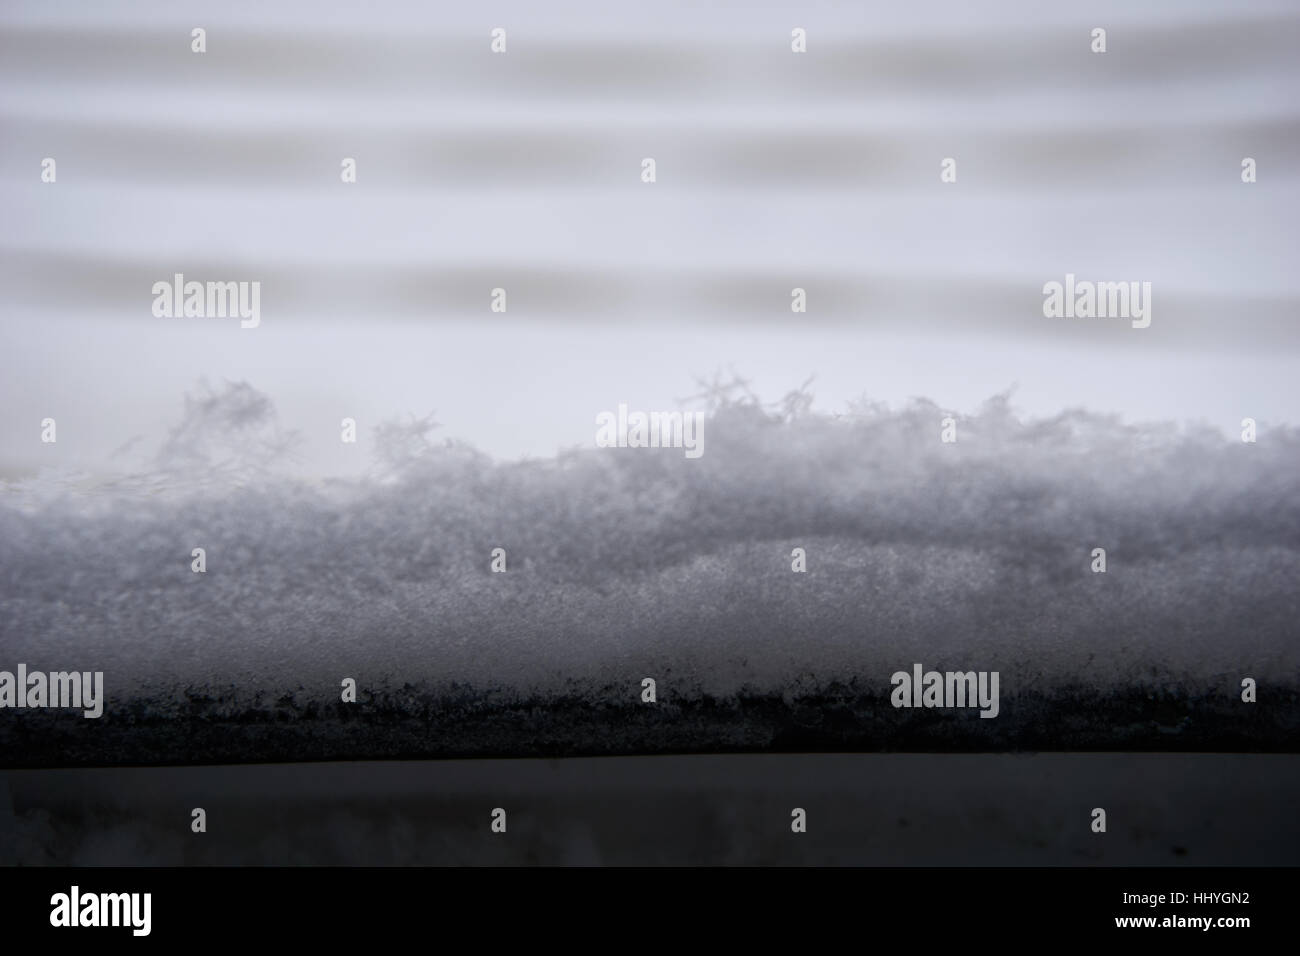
630	563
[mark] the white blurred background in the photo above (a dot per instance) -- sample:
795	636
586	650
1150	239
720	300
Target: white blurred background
522	171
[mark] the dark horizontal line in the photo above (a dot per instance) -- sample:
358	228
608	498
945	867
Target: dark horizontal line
82	285
409	155
1067	719
609	65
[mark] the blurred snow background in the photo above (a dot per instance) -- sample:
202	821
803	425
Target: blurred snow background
521	171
